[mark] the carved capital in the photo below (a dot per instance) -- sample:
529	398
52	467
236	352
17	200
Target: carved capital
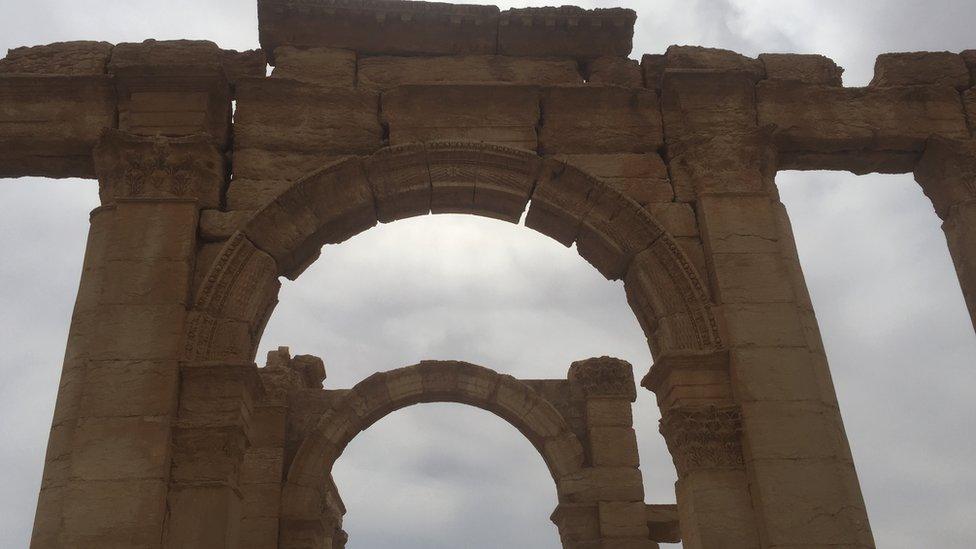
187	168
703	437
604	377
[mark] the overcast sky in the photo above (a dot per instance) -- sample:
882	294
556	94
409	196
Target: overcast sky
899	340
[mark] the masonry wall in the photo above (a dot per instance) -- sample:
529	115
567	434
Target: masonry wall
693	136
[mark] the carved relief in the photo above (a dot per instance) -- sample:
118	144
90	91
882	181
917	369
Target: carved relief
703	438
130	166
604	377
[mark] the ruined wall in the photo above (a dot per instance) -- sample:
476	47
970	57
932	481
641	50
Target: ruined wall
661	172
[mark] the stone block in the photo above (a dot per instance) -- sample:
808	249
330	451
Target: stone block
947	173
259	532
792	430
114	513
243	64
806	68
577	522
384	73
969	102
595	484
702	103
121	448
677	218
857	129
613	447
217	226
146	282
81	58
128	332
652	69
613	231
697	57
261	500
326	66
154	231
50	124
279	165
600	119
663	523
752	278
716	510
738	224
764	325
284	115
920	69
379	27
567	31
641	177
622	520
115	388
505	115
614	71
609	413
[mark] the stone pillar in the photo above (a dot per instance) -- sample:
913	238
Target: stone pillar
800	473
703	429
109	453
612	513
947	174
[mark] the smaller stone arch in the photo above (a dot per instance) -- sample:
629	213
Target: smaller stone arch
308	480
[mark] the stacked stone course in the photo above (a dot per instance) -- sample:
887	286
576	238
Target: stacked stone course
661	173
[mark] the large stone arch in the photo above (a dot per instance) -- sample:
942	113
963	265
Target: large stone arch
612	232
307	481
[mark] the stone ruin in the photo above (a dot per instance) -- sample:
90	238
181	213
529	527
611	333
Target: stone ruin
216	180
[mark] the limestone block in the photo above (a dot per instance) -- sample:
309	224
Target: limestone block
121	448
613	231
641	177
172	88
261	500
155	231
595	484
600	119
738	224
577	522
400	180
259	532
216	226
613	447
677	218
241	283
652	68
615	71
146	282
379	27
969	100
793	430
662	523
279	165
627	543
622	520
699	103
716	510
764	325
284	115
609	413
752	278
129	388
690	378
49	124
82	58
220	504
969	57
384	73
947	173
920	69
504	115
697	57
326	66
694	250
128	332
567	31
100	514
807	68
810	501
243	64
960	231
858	129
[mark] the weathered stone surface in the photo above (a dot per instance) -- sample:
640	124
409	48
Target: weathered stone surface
697	57
243	64
498	114
810	69
859	129
652	68
615	71
172	88
379	27
969	57
49	124
947	173
383	73
641	177
253	194
599	119
284	115
81	58
921	69
566	31
326	66
217	226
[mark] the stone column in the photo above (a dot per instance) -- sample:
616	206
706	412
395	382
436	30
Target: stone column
947	174
798	464
611	514
109	456
702	426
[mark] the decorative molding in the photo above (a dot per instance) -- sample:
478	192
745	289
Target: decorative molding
703	437
604	377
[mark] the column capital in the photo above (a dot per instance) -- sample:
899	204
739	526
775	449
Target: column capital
132	166
604	377
703	437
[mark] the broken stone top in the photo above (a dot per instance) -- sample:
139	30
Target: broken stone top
396	27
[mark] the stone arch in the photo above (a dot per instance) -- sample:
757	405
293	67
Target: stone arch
306	486
612	232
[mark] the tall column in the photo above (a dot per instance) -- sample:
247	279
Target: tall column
800	473
109	455
947	174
